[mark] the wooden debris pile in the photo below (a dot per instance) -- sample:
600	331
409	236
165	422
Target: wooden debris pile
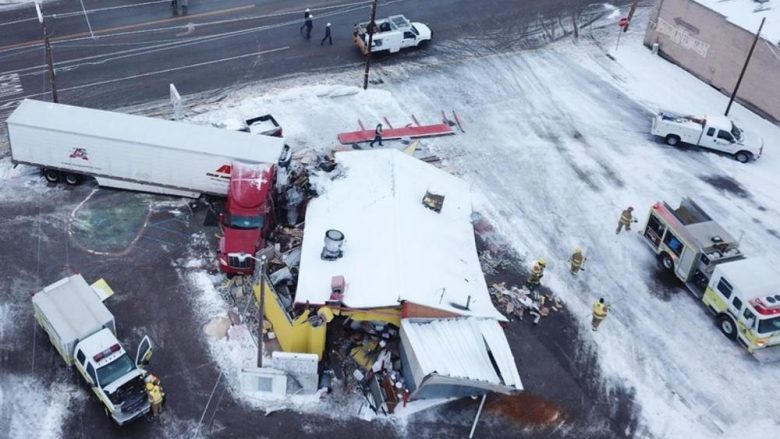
514	301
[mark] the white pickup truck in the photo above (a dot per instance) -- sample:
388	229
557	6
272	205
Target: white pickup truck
83	331
392	34
717	133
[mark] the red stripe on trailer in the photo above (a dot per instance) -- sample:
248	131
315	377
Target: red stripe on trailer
397	133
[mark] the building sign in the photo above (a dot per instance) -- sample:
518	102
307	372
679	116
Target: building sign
682	37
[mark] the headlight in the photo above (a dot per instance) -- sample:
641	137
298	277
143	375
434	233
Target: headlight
761	342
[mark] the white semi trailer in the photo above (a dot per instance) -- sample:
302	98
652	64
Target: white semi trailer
132	152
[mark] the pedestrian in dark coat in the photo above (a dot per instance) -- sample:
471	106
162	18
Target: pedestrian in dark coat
309	25
327	35
306	15
377	136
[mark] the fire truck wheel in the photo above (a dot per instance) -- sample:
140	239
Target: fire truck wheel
727	326
672	140
667	262
51	175
72	179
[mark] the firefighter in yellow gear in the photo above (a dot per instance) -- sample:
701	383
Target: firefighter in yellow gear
537	272
626	218
156	395
576	260
600	310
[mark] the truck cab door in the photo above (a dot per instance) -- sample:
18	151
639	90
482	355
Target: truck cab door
725	141
708	138
144	354
409	39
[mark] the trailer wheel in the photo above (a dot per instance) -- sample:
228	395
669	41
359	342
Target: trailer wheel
672	140
72	179
666	261
727	326
742	156
51	175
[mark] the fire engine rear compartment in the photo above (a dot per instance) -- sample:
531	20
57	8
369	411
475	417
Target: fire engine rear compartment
689	243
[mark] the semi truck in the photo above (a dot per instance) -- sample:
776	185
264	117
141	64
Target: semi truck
248	216
717	133
83	331
131	152
742	293
392	34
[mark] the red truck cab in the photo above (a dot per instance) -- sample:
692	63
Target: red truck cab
248	216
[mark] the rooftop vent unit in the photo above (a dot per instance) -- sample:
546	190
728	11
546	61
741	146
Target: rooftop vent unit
433	201
333	242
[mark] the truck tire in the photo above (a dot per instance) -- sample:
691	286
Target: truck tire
727	326
672	140
72	179
743	156
51	175
666	261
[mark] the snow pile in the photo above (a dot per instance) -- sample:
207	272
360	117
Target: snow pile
32	408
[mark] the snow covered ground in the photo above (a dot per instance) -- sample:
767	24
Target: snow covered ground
556	145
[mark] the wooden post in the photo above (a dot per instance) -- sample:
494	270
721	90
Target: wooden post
744	67
261	308
371	26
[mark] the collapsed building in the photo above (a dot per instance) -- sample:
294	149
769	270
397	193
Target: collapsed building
389	290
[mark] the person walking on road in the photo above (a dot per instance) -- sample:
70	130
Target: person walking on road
576	260
600	310
537	272
156	395
626	218
327	35
309	23
306	15
377	136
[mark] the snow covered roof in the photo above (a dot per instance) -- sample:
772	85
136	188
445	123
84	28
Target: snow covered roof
754	277
462	348
72	309
147	130
747	14
395	248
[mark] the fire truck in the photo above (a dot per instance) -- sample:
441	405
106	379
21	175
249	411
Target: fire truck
743	293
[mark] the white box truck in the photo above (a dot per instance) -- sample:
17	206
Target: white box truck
132	152
392	34
717	133
84	333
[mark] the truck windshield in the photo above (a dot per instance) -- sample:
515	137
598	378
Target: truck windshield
244	222
736	132
115	370
769	325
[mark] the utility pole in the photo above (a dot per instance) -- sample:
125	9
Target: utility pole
49	60
744	67
260	274
371	26
631	11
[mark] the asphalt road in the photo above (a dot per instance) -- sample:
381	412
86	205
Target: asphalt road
139	47
117	53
